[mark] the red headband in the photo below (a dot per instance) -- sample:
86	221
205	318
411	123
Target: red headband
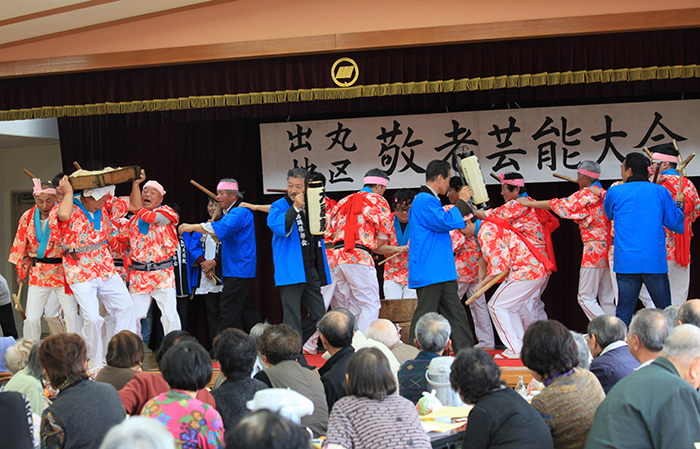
590	174
512	182
374	180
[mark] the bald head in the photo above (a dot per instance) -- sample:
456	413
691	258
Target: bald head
383	331
336	328
682	348
689	312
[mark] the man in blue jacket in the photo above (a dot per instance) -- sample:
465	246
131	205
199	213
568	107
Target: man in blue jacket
300	261
431	264
640	210
236	231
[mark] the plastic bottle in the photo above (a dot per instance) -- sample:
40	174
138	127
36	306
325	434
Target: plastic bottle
520	388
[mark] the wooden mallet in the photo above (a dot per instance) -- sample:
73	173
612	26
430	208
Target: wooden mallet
565	178
388	258
203	189
485	288
18	304
28	173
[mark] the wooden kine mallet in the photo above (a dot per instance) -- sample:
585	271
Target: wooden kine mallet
565	178
681	165
203	189
389	258
485	288
28	173
18	305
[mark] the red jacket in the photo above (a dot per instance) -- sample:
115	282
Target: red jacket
145	386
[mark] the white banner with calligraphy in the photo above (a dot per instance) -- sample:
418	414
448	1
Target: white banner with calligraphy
534	142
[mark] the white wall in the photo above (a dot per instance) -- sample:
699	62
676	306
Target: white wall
43	161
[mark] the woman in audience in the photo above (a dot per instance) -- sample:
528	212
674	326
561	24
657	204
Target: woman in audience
145	386
269	430
280	346
501	418
138	433
187	369
28	381
124	358
84	411
571	395
236	353
371	415
16	423
16	356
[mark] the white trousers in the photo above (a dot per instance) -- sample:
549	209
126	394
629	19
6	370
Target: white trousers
117	302
394	290
480	314
505	307
595	292
167	303
358	290
533	308
49	301
678	278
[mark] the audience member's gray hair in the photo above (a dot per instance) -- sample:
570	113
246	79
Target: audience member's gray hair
689	314
671	313
607	329
652	326
584	354
590	166
257	331
33	365
383	331
138	433
349	314
16	356
432	332
682	343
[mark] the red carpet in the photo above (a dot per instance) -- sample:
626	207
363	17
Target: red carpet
318	361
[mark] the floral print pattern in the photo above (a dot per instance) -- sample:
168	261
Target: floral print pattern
192	423
505	251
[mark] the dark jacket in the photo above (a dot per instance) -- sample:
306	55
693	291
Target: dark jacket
231	398
333	375
612	366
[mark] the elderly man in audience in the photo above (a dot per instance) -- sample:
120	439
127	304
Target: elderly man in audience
432	338
336	331
571	395
584	354
501	418
28	381
138	432
612	359
384	331
658	406
648	332
145	386
236	353
269	430
84	411
280	346
689	313
125	353
671	313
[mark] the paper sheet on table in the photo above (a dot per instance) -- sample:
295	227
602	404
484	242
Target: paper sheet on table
449	412
434	426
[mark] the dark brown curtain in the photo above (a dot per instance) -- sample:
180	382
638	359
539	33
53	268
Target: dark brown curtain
531	56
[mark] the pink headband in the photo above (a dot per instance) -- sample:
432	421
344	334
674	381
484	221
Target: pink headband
468	217
37	190
512	182
664	157
155	185
590	174
374	180
227	186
